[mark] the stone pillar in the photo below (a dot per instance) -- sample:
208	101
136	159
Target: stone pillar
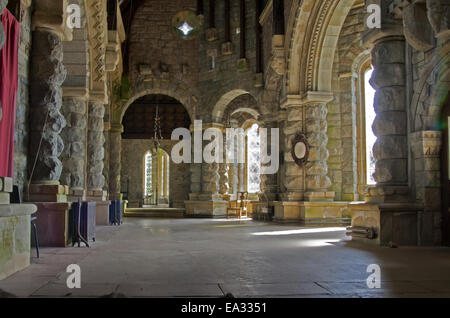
47	75
269	183
224	187
390	124
210	179
232	179
317	180
387	46
205	198
426	146
307	115
74	156
96	151
115	161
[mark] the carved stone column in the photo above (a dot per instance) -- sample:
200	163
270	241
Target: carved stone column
205	198
317	180
47	75
96	151
224	187
115	147
390	124
210	179
426	146
307	115
269	182
74	155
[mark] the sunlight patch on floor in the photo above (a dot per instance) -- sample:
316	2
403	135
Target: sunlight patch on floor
301	231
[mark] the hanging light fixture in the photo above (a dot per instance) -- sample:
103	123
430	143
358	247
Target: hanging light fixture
157	137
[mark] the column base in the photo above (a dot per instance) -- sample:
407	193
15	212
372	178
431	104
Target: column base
206	209
47	193
388	194
323	213
76	194
292	196
101	207
401	224
320	196
16	231
53	224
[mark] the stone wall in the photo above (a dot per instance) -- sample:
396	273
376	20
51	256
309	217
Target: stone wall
152	42
21	154
133	152
227	75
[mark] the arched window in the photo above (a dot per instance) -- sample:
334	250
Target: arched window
148	175
156	178
369	96
253	160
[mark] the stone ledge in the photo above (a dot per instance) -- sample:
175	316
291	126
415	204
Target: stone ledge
8	210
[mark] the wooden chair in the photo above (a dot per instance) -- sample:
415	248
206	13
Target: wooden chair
239	206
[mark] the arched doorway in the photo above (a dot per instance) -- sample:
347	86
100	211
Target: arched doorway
148	175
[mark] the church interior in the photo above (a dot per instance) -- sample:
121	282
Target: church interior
335	114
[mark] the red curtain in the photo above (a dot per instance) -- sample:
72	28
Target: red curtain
8	90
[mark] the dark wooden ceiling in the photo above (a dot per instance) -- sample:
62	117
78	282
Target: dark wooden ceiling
139	120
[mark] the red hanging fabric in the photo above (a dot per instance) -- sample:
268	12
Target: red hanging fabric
8	90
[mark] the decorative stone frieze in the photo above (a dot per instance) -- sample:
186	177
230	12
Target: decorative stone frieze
96	15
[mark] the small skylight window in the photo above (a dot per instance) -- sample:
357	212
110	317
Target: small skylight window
185	28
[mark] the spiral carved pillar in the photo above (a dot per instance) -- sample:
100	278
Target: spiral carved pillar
115	136
96	151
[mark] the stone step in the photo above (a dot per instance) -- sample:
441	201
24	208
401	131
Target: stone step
155	212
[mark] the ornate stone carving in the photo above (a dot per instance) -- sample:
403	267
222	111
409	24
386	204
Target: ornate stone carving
390	123
418	32
96	151
98	37
47	76
115	161
74	136
438	12
210	178
224	187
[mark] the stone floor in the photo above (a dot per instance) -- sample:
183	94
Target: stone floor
211	258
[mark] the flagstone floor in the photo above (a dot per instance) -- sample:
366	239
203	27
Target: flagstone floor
213	258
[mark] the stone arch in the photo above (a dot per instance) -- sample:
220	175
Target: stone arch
316	31
426	103
186	96
224	101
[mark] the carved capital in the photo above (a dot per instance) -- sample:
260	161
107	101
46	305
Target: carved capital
427	143
51	16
